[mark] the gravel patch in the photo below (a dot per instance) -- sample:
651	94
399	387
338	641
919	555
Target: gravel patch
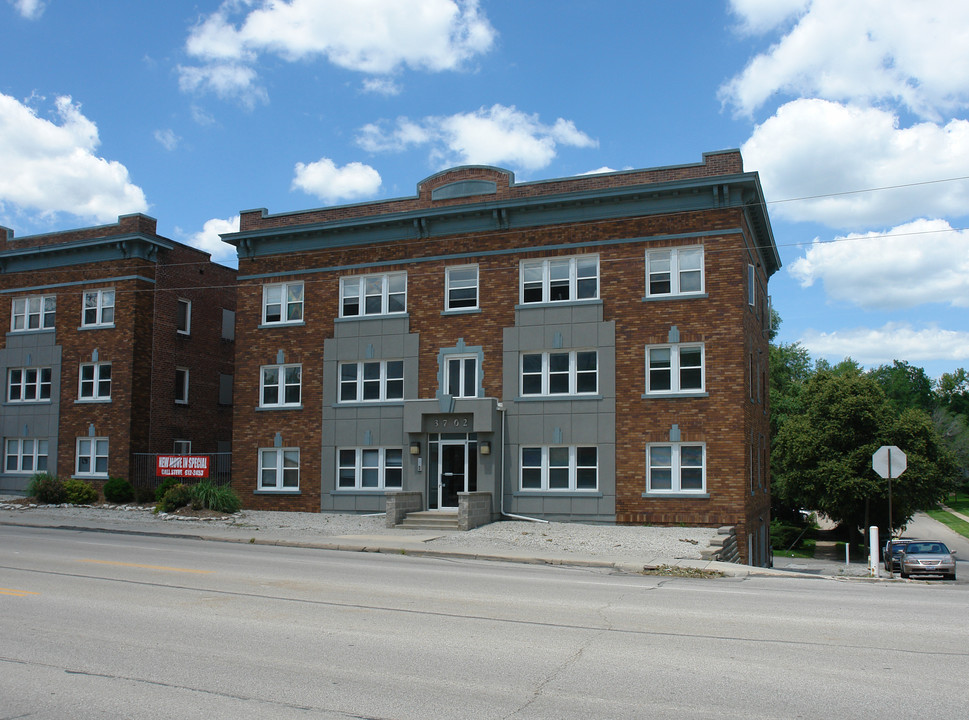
554	538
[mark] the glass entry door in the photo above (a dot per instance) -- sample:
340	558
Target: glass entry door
453	475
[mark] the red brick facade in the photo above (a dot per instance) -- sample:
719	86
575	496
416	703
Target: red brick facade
147	273
480	216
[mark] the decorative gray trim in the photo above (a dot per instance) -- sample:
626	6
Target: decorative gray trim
277	492
680	296
462	311
464	188
553	398
561	303
487	253
674	396
108	326
269	326
676	496
83	252
558	493
276	408
94	281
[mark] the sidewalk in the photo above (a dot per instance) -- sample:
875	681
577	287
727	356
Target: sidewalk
280	531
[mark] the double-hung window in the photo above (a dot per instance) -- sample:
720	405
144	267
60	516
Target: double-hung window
183	317
676	468
461	291
674	271
279	469
33	313
25	455
461	376
364	295
570	372
282	303
280	385
181	386
370	468
560	279
98	308
95	381
553	468
92	457
674	369
372	381
26	385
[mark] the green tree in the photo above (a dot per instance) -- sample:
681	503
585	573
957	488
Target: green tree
790	367
821	457
952	391
905	385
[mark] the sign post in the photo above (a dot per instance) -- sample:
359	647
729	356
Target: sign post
889	462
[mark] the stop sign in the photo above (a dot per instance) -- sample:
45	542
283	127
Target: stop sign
889	457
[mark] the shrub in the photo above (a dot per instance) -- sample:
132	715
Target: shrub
144	494
220	498
784	534
176	496
80	492
47	489
118	490
166	485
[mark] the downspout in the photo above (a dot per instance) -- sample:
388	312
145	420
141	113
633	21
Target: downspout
501	471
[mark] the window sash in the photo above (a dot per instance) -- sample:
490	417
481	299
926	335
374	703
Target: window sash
674	271
461	291
569	372
92	456
279	468
371	381
25	455
26	385
675	369
676	468
98	308
181	385
280	385
370	468
364	295
461	376
552	280
183	317
282	303
567	468
94	381
35	312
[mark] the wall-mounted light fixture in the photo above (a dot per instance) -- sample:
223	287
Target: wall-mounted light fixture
486	447
415	448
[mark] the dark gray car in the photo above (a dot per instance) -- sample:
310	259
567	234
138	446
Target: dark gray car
927	557
892	553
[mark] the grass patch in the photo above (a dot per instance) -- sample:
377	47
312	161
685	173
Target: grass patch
804	550
676	571
959	505
951	521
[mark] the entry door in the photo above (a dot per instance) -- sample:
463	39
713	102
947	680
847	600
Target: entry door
454	474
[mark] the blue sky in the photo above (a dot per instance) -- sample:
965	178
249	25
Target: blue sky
855	115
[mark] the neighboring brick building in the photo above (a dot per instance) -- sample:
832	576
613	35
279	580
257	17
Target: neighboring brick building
592	348
119	343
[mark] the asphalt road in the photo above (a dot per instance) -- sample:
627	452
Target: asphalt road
98	625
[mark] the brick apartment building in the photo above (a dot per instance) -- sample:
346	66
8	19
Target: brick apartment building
591	348
119	342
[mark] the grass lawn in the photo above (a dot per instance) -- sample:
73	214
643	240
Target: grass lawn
806	550
955	524
960	505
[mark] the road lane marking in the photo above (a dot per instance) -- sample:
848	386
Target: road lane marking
147	567
17	593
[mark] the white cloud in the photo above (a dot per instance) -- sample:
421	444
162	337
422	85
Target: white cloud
381	86
498	135
227	80
759	16
167	138
921	262
813	148
208	239
376	37
867	51
893	341
353	181
53	168
29	9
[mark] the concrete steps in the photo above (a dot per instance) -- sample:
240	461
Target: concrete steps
430	520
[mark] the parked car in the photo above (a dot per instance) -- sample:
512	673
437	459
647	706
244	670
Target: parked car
892	553
927	557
